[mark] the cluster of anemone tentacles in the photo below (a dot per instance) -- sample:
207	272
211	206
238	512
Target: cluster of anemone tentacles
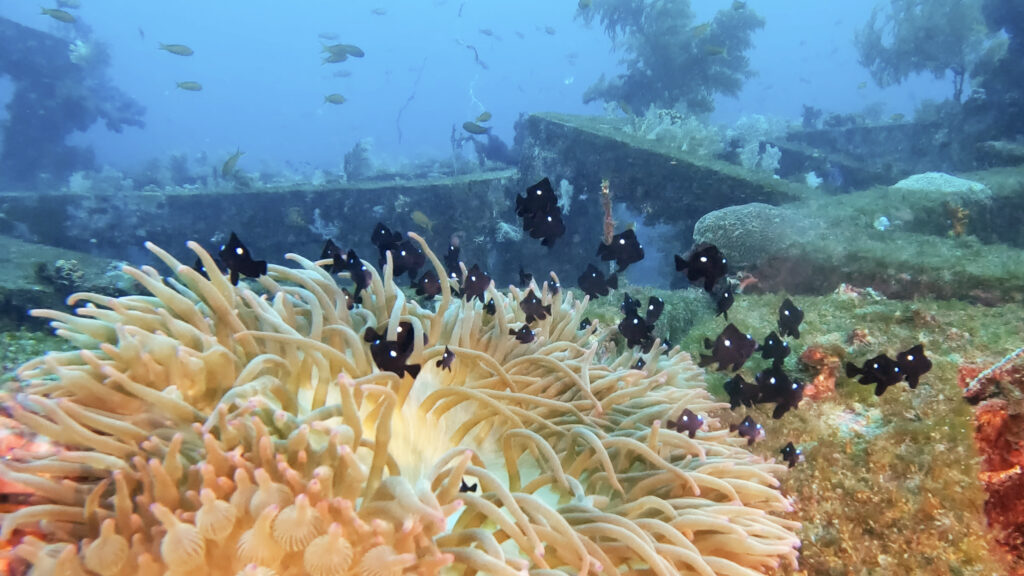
211	429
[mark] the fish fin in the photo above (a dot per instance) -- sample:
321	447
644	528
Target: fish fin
705	361
852	370
613	281
413	370
234	277
680	263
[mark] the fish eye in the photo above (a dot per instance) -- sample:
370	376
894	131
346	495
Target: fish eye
239	251
794	387
549	218
622	240
772	380
727	342
786	312
402	252
539	192
472	278
392	353
875	365
636	320
910	357
703	258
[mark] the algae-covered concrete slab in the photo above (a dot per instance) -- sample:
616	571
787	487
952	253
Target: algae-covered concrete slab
814	247
37	276
656	180
275	219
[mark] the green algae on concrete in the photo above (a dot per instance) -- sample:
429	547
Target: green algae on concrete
661	182
888	484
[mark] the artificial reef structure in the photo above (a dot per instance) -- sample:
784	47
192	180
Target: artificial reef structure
60	87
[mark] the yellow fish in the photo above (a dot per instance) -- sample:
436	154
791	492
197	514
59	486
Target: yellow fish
58	15
344	49
334	99
333	58
474	128
701	29
423	221
862	85
179	49
483	117
190	86
229	164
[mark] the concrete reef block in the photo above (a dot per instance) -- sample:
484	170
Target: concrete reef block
814	247
658	181
37	276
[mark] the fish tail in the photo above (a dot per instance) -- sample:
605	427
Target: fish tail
852	370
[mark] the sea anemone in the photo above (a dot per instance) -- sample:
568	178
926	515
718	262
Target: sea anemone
218	429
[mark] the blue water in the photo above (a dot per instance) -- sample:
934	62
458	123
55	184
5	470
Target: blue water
264	84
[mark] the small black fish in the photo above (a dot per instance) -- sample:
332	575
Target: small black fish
703	261
445	363
428	285
451	261
350	301
730	350
741	392
637	331
630	305
391	355
790	318
538	199
238	260
490	307
724	295
774	385
476	283
881	371
748	429
584	324
548	226
624	249
791	454
594	284
407	257
524	334
359	273
913	364
639	364
383	238
655	306
688	422
403	336
332	251
524	278
533	307
774	348
463	487
198	266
